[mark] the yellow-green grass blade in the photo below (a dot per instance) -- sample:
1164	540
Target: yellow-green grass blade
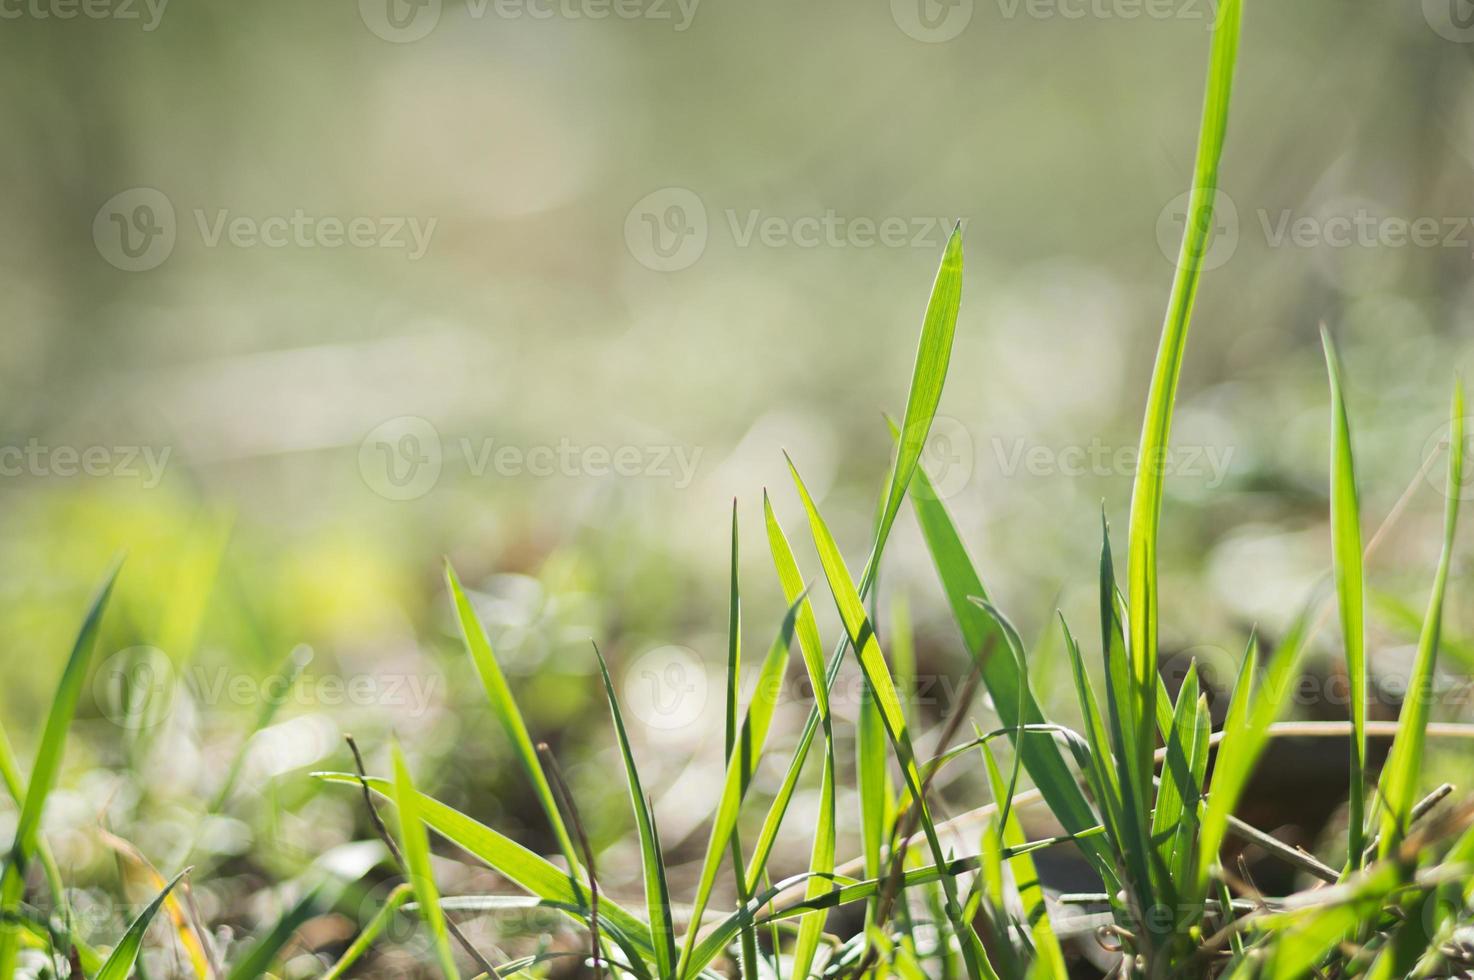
821	857
364	941
527	870
1251	711
120	962
1049	959
414	841
45	771
657	887
1007	687
740	767
1399	783
734	682
1346	561
872	662
1146	494
504	707
933	353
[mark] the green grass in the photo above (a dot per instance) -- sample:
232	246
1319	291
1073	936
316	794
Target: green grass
1139	784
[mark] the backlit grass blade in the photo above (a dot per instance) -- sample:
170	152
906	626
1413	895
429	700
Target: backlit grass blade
1104	781
504	707
1251	711
1146	494
524	868
365	939
120	962
414	841
1399	784
932	356
46	769
734	682
872	662
821	857
1042	758
657	888
1346	560
1049	959
740	767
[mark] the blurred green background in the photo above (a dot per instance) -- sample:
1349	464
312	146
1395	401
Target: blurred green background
299	298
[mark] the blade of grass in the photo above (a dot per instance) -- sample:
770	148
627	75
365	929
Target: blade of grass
657	888
745	755
872	662
119	964
504	707
1146	493
821	857
734	682
365	939
46	769
1399	783
1346	560
414	842
524	868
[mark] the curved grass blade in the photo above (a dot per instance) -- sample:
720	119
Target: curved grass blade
1399	784
365	939
415	843
657	889
851	609
524	868
1146	493
504	707
740	768
1346	560
119	964
46	769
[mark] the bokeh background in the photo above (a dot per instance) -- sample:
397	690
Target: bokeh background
300	298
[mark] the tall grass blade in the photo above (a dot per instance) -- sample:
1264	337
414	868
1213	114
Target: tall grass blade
1399	784
872	662
1146	494
504	707
365	939
1346	560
